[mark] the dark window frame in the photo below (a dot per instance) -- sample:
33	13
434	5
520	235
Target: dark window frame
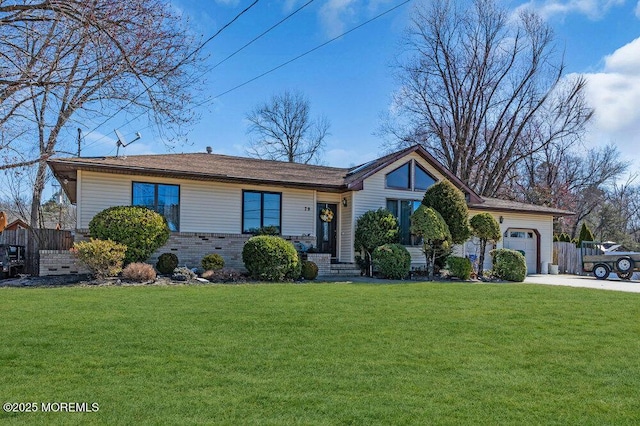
410	177
244	191
413	240
155	198
417	165
411	166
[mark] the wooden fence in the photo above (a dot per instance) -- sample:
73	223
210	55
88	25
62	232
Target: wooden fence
36	240
568	258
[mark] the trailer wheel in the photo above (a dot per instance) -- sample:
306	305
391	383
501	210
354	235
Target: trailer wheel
601	271
624	264
625	275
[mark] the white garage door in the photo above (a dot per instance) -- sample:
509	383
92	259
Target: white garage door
524	241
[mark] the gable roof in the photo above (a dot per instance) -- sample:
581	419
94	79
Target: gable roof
496	204
358	174
225	168
17	224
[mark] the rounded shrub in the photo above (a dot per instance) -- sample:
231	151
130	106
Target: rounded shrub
309	270
271	258
103	257
392	261
212	262
509	265
167	262
459	267
143	231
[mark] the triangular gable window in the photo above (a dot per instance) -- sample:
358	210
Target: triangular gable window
423	179
400	178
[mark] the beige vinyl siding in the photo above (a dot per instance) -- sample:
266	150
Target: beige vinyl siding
99	191
204	206
298	211
346	230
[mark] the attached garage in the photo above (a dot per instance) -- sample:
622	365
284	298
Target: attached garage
527	242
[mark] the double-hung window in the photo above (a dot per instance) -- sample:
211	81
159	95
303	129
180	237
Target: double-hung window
402	210
161	198
260	210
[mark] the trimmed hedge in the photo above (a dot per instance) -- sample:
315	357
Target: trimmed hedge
509	265
459	267
392	261
271	258
143	231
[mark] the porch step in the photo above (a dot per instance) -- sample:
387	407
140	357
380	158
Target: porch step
344	269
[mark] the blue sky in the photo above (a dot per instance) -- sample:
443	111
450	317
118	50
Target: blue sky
350	81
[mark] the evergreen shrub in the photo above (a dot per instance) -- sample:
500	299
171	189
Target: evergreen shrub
212	262
459	267
103	257
143	231
509	265
392	261
309	270
271	258
167	262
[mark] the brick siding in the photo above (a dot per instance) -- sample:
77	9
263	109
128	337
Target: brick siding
191	247
60	262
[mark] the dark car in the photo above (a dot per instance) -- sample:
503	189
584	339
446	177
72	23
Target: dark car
11	260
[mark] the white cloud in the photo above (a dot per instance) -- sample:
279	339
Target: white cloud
338	16
615	95
594	9
334	15
626	60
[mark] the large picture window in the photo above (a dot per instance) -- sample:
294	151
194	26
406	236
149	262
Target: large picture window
402	210
260	210
161	198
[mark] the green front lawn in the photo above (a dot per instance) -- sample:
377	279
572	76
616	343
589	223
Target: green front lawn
323	354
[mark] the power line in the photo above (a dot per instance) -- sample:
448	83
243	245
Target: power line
208	100
310	51
183	61
262	35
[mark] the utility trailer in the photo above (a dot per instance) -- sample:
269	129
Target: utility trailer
603	258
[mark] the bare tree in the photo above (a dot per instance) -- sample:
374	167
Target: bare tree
66	62
558	176
484	91
283	130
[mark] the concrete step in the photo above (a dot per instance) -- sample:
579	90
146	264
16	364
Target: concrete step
344	269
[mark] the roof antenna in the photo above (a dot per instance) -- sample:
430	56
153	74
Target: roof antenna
121	141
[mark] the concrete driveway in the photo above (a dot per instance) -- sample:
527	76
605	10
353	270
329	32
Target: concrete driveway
613	283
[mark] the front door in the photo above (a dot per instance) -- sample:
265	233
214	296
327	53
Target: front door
326	229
